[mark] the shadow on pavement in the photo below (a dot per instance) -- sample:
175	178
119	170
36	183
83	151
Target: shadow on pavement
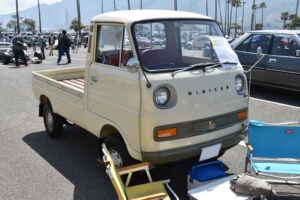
74	156
275	95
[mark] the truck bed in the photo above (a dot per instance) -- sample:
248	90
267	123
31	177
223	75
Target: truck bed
70	80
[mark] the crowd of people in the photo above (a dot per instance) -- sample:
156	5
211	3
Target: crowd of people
63	46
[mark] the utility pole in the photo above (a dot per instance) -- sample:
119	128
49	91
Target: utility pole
128	4
216	10
102	6
206	8
252	16
79	19
243	16
141	1
40	22
297	9
17	15
115	5
175	4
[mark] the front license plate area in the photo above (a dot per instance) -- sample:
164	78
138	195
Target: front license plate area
210	152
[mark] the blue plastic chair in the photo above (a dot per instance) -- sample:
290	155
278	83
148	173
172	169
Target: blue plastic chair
274	151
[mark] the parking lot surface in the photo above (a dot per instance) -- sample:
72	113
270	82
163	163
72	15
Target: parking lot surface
34	166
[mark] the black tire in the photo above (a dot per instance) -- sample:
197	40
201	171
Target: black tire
6	60
118	151
52	121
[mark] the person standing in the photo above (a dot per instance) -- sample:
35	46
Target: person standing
64	44
42	44
18	49
51	41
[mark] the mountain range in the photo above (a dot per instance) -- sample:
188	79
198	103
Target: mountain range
60	14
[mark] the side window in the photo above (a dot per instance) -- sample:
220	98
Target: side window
244	46
284	45
262	41
109	44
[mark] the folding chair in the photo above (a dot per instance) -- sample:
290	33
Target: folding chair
148	191
274	151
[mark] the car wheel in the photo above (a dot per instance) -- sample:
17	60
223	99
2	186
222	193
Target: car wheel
118	151
52	121
6	60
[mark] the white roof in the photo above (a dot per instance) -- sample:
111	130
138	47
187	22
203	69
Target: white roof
130	16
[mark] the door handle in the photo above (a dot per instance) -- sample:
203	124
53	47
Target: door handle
94	78
272	60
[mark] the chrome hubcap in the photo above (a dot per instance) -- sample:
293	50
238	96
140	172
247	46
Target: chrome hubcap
116	158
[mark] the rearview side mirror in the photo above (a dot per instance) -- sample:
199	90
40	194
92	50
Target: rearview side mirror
297	53
132	65
259	52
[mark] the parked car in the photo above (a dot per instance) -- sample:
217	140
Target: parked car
280	66
4	46
198	43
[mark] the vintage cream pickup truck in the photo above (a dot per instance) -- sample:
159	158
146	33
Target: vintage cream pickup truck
145	94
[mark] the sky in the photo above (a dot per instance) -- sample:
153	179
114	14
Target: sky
9	6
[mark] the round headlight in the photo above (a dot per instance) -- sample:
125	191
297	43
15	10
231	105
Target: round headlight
239	84
162	96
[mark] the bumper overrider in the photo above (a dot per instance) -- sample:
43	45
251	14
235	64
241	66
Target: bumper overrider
173	155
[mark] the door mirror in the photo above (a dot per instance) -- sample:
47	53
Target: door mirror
259	52
297	53
132	65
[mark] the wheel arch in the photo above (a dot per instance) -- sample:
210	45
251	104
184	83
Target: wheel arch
109	129
43	99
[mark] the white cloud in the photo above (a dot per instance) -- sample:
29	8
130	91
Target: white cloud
9	6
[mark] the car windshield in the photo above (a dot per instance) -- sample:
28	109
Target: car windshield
171	45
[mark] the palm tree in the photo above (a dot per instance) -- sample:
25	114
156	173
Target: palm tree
254	8
229	25
284	18
141	2
297	8
216	10
253	15
128	4
219	3
102	6
206	7
243	16
79	18
262	5
115	8
236	4
175	4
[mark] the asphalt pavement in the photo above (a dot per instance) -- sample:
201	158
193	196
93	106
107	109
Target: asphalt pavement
34	166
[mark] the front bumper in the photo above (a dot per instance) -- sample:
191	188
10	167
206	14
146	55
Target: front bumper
182	153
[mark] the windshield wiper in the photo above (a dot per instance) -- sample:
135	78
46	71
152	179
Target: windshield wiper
218	65
192	67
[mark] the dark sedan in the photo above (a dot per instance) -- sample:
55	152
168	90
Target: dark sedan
280	67
4	46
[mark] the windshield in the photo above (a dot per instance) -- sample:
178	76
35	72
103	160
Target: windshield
174	44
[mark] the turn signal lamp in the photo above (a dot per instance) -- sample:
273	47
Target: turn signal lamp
168	132
242	115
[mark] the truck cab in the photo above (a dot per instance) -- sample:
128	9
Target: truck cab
148	97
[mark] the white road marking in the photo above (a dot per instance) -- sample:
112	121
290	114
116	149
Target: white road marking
272	102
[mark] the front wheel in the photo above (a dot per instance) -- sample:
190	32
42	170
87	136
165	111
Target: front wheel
118	151
52	121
